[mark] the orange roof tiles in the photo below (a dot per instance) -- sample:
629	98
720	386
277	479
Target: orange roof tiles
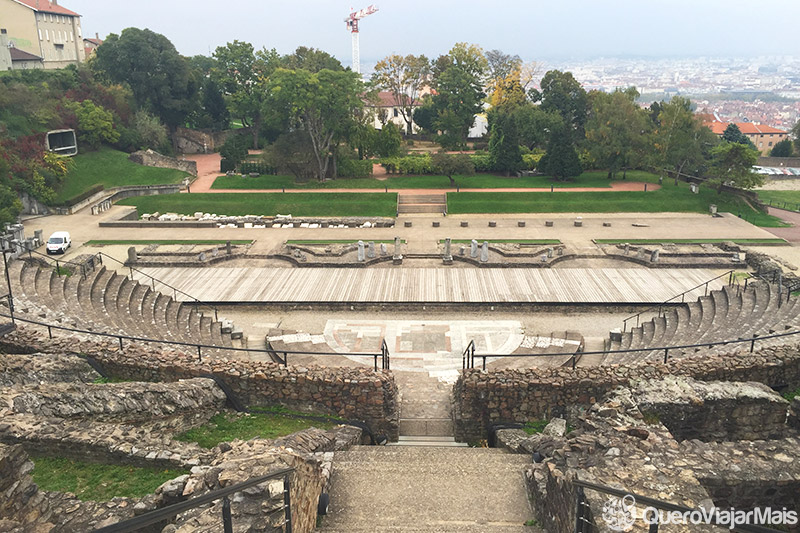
748	128
46	6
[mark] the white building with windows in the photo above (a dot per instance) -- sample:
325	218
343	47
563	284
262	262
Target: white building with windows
44	29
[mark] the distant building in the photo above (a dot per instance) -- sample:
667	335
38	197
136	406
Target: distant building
42	29
763	137
91	44
385	110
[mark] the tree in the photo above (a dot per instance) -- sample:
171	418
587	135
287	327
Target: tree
534	125
560	92
150	132
458	78
682	142
310	59
240	73
322	104
616	130
504	150
732	164
796	135
561	160
95	124
782	149
292	152
234	150
500	65
403	77
10	205
158	75
733	134
453	164
388	141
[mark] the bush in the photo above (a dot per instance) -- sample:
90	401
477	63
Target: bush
482	162
530	161
226	165
410	164
248	167
354	168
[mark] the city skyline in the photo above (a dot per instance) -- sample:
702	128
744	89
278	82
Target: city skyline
583	30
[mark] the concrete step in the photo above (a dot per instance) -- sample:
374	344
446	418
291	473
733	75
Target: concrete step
427	427
436	488
428	440
421	208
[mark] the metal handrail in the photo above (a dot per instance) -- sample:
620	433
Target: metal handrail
59	263
468	356
581	503
175	291
164	513
682	295
575	355
51	327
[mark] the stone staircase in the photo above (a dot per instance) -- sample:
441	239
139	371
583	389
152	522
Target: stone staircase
425	416
108	302
408	203
428	489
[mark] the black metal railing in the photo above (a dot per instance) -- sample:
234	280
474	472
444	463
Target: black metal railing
166	513
153	281
383	355
468	363
673	300
468	357
584	522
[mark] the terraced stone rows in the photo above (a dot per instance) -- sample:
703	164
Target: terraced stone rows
108	302
727	314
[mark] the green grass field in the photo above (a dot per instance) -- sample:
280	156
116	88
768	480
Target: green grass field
111	168
668	199
296	204
98	482
783	199
478	181
227	427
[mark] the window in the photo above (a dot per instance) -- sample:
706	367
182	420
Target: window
396	112
72	37
46	35
40	35
59	47
761	145
3	31
770	143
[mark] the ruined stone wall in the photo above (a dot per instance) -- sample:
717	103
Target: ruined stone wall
149	158
202	141
482	398
21	370
21	503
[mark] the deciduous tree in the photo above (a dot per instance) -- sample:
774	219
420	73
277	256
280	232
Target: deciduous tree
560	92
453	164
403	77
732	163
561	160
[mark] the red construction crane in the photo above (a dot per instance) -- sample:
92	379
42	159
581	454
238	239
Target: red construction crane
352	26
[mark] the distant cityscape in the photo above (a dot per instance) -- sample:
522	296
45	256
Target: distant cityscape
764	90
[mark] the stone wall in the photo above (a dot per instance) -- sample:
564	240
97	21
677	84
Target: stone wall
178	405
21	370
201	141
483	398
149	158
350	393
714	411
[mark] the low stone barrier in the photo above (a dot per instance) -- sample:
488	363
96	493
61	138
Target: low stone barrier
21	370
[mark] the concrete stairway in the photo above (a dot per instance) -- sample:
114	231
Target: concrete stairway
428	490
421	203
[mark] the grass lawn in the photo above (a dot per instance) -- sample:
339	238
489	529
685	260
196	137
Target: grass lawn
693	241
477	181
99	482
245	426
791	199
150	241
296	204
668	199
111	168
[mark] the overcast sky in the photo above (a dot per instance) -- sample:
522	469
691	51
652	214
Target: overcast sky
536	30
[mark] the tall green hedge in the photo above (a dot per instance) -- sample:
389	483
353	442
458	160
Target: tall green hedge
422	164
354	168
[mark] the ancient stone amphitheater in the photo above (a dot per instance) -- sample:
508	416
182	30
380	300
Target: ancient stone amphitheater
668	394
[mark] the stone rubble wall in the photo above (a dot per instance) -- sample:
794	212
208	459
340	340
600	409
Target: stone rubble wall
714	411
149	158
23	370
519	395
21	505
179	405
350	393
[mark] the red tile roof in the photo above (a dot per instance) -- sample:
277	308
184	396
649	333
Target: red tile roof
46	6
22	55
386	99
748	128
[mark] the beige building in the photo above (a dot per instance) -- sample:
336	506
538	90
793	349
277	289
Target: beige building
44	29
764	137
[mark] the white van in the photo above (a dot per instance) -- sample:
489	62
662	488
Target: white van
58	243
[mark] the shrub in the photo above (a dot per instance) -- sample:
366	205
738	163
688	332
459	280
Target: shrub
248	167
529	161
226	165
482	162
354	168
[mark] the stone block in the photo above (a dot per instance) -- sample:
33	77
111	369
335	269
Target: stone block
464	224
521	224
548	223
407	224
492	224
435	224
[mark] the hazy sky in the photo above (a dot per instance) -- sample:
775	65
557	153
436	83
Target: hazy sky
535	30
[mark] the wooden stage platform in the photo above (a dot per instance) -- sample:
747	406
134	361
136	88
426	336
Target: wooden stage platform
434	285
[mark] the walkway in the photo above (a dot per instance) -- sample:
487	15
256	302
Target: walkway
510	285
791	234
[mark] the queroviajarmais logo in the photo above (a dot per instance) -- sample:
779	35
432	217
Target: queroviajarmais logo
620	513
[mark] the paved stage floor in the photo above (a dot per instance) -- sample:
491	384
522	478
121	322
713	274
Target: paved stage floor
435	285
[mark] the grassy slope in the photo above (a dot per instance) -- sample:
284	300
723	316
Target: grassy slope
227	427
297	204
100	482
111	168
778	198
478	181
